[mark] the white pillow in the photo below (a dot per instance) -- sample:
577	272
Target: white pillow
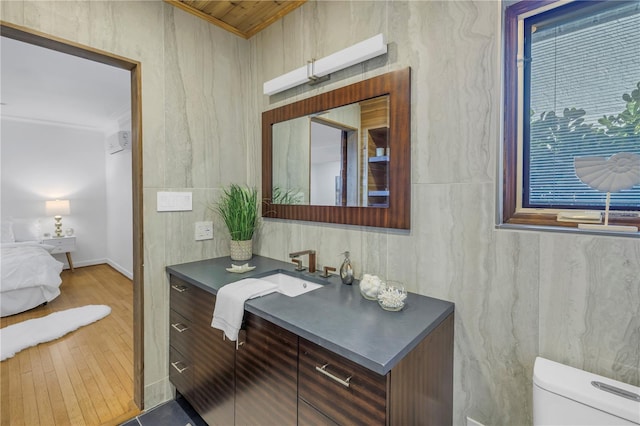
6	229
26	230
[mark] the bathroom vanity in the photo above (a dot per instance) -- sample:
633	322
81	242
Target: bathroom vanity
325	357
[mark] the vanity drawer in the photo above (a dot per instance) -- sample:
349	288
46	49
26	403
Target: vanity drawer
180	372
309	416
181	332
193	303
342	390
181	297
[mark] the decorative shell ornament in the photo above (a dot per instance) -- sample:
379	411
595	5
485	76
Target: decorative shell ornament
620	171
613	174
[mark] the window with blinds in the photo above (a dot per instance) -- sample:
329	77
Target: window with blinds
582	93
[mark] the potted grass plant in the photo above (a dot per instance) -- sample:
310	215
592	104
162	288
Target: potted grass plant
238	208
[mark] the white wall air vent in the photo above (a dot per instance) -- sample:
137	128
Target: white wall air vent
119	142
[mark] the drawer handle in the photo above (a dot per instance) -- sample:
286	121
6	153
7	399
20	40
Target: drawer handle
178	369
324	371
180	327
179	288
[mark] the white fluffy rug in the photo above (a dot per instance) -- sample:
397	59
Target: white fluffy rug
22	335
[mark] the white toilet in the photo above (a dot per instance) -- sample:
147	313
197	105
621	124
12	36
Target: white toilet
564	395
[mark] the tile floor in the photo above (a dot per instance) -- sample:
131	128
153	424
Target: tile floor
173	413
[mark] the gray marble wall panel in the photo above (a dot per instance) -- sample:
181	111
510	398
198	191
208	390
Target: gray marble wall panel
205	136
452	49
590	304
181	246
156	300
491	276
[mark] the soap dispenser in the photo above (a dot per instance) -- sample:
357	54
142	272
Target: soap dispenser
346	270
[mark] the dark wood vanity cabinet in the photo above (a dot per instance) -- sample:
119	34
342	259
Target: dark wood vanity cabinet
266	374
276	377
342	390
201	363
258	381
417	391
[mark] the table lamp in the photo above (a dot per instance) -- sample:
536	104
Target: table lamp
57	208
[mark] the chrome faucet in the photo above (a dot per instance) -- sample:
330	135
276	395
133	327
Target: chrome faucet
312	259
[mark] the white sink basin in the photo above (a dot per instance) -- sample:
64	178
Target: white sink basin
291	286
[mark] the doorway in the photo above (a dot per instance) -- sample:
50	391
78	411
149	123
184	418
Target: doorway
43	40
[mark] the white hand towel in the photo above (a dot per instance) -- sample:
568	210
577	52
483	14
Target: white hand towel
229	309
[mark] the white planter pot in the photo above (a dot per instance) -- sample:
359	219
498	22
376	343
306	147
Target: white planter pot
241	250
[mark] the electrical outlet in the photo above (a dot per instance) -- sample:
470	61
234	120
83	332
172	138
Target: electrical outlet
204	231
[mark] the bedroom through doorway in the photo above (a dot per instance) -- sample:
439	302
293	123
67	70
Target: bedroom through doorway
72	148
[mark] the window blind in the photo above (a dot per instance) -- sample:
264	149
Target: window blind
579	66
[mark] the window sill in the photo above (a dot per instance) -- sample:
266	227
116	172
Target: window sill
520	224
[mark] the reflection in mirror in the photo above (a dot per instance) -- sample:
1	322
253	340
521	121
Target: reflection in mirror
334	164
333	158
290	161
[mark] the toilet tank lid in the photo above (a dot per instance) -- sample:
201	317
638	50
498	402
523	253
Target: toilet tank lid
576	384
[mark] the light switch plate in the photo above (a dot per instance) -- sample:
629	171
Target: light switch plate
174	201
204	231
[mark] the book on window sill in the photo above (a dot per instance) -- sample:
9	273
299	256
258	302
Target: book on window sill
580	216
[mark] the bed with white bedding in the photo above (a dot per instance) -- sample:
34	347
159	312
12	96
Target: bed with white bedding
30	276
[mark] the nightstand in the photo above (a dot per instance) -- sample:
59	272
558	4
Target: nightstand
62	245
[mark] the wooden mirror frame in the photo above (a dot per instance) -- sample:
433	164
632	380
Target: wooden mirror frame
397	85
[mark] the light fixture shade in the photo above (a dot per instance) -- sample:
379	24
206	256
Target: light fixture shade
58	207
359	52
286	81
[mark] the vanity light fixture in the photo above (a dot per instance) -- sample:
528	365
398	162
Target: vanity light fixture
316	69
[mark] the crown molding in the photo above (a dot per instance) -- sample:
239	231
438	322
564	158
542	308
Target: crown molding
31	120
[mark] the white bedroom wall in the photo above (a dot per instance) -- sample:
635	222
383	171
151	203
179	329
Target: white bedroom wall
42	162
119	226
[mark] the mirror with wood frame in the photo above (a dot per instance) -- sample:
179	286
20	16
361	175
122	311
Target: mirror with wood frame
359	176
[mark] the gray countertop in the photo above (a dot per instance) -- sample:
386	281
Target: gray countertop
335	316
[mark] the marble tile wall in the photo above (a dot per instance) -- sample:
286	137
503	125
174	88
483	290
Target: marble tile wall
204	148
517	294
590	304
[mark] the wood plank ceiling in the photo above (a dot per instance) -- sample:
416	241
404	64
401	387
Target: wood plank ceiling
241	17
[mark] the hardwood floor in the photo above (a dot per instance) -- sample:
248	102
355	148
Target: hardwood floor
86	376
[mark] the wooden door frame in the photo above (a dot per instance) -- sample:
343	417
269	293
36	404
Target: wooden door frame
37	38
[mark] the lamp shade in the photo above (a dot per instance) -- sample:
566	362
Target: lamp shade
58	207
